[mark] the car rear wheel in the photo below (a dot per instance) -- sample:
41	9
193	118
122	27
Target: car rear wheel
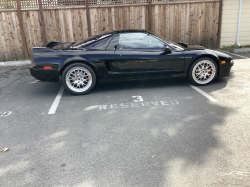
202	71
79	78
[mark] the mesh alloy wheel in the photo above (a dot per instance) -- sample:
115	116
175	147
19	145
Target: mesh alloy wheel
79	78
202	72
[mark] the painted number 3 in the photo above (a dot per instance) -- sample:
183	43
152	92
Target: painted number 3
138	98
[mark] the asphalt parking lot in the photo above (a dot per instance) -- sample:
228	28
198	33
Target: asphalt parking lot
151	133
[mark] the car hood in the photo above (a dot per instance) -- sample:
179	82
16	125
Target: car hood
219	54
191	47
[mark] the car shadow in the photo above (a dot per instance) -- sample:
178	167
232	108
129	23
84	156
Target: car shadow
148	84
135	147
139	84
114	148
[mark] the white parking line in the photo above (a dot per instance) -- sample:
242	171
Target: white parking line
235	54
202	92
56	101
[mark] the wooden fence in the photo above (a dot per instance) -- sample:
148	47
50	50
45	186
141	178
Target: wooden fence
183	21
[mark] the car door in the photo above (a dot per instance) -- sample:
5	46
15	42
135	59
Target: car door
141	55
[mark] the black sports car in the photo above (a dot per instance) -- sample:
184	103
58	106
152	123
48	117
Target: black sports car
126	55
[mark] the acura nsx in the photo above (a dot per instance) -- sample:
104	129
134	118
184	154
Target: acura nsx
126	55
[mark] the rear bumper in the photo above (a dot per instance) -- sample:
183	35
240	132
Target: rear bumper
48	75
225	71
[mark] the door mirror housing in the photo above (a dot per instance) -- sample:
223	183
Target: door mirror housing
166	50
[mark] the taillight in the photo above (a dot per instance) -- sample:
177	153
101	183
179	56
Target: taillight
47	67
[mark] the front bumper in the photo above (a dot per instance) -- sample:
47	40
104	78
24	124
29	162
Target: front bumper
48	75
225	70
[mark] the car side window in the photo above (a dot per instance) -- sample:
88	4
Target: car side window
139	41
98	44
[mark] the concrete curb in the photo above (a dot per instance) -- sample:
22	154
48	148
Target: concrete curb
241	50
15	63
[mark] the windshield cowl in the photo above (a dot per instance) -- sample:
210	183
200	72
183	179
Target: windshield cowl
190	47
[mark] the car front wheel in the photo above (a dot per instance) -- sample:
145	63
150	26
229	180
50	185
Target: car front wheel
79	78
202	71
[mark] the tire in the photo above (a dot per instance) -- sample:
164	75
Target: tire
202	71
79	78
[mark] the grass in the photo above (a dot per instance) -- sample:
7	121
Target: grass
235	46
15	59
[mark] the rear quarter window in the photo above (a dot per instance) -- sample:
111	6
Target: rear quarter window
98	44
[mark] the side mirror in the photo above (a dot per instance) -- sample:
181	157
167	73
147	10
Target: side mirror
166	50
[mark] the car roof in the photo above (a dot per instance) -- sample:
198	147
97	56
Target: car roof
120	31
130	30
111	33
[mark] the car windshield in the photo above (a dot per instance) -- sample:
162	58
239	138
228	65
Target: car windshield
91	40
171	44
